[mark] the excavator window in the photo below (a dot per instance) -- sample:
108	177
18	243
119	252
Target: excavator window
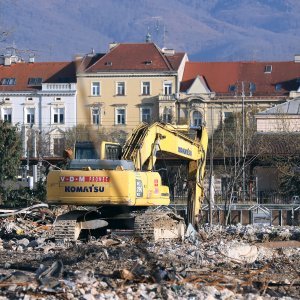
113	151
85	150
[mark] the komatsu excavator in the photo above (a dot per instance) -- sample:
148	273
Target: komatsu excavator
112	184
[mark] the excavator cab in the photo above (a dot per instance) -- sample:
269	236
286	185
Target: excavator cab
106	150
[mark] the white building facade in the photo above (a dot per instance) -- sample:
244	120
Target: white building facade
40	98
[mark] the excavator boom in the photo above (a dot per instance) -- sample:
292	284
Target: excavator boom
147	140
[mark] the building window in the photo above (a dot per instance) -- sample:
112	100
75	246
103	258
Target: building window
7	113
120	116
268	69
252	87
167	88
196	119
8	81
58	115
120	88
146	88
58	146
30	115
95	88
167	115
146	114
278	87
96	116
231	88
227	114
33	81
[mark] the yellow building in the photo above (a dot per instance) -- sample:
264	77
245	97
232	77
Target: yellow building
132	83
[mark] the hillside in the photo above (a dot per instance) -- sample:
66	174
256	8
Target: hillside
208	30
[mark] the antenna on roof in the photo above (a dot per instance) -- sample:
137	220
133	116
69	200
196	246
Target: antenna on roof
164	36
148	36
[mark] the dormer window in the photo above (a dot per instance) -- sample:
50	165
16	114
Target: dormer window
148	62
278	87
108	63
8	81
231	88
268	69
35	81
252	87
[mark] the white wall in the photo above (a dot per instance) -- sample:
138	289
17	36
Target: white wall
43	102
278	124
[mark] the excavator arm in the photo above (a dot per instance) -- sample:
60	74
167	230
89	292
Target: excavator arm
147	140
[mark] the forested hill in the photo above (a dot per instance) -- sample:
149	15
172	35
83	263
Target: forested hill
208	30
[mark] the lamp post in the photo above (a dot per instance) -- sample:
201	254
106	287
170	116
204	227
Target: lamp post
243	141
211	179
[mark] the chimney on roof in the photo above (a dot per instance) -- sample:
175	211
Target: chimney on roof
78	57
8	60
297	58
31	58
113	45
148	38
10	56
168	51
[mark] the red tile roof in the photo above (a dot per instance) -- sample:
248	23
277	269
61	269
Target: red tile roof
48	71
87	61
136	57
220	75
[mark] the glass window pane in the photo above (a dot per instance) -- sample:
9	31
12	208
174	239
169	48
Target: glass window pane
146	88
121	88
167	88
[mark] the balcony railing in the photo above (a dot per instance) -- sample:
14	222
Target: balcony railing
166	97
58	86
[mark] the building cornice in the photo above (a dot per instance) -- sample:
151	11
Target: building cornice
18	93
124	74
47	93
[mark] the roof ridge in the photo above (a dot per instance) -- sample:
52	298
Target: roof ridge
102	57
168	64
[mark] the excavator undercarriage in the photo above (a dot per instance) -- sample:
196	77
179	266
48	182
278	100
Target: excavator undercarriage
150	224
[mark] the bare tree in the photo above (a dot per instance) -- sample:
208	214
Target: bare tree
282	152
232	144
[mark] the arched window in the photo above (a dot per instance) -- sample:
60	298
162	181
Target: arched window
196	119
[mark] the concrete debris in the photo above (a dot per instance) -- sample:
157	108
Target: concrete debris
240	252
191	232
233	262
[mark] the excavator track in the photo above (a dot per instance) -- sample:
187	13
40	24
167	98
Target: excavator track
65	228
68	226
159	225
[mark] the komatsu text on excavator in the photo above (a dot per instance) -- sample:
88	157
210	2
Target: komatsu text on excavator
118	187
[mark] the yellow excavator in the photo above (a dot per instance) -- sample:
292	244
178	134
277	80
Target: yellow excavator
118	186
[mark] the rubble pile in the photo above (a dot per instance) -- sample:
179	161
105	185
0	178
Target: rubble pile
233	262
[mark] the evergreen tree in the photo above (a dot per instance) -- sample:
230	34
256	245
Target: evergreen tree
10	151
